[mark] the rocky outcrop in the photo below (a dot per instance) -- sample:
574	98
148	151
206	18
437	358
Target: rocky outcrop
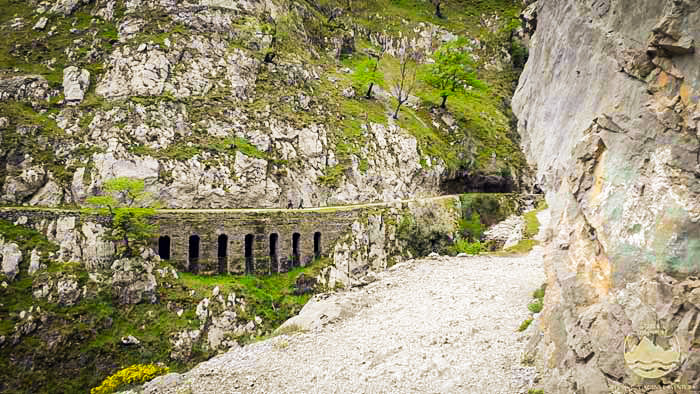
11	257
608	114
29	180
133	281
63	289
377	241
25	88
506	233
75	83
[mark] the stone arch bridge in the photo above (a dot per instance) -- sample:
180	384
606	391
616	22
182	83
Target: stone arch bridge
249	241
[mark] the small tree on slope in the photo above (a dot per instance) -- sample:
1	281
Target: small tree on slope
367	74
403	85
123	203
453	70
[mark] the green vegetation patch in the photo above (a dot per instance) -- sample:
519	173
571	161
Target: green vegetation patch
189	147
464	246
332	176
535	306
36	52
525	324
26	238
481	210
272	297
538	295
522	247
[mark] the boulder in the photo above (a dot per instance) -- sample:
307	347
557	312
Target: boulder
221	326
506	233
41	24
75	83
11	257
34	262
130	340
65	7
348	92
319	311
30	179
50	195
202	310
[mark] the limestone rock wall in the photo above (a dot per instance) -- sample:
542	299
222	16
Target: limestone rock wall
217	104
608	113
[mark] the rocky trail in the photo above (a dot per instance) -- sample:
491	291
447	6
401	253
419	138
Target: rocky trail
344	207
442	324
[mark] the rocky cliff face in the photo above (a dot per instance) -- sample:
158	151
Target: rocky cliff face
608	113
239	103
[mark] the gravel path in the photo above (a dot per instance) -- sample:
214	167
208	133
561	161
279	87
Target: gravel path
438	325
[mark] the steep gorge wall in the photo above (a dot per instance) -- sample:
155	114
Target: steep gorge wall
243	103
608	114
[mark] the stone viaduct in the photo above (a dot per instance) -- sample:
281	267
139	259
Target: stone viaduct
249	241
209	241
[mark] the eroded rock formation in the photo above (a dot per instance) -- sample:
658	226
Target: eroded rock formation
608	113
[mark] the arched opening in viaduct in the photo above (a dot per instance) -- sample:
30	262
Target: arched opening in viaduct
164	247
296	256
317	244
249	239
222	253
194	253
274	237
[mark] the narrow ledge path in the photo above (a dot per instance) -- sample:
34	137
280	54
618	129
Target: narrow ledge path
348	207
437	325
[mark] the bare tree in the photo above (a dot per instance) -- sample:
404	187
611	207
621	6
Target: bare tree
437	4
403	85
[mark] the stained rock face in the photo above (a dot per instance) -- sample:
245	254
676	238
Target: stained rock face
608	110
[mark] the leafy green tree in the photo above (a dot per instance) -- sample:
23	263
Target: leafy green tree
123	203
367	73
454	69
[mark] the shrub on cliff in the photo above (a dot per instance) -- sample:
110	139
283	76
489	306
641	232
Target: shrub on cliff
135	374
124	203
